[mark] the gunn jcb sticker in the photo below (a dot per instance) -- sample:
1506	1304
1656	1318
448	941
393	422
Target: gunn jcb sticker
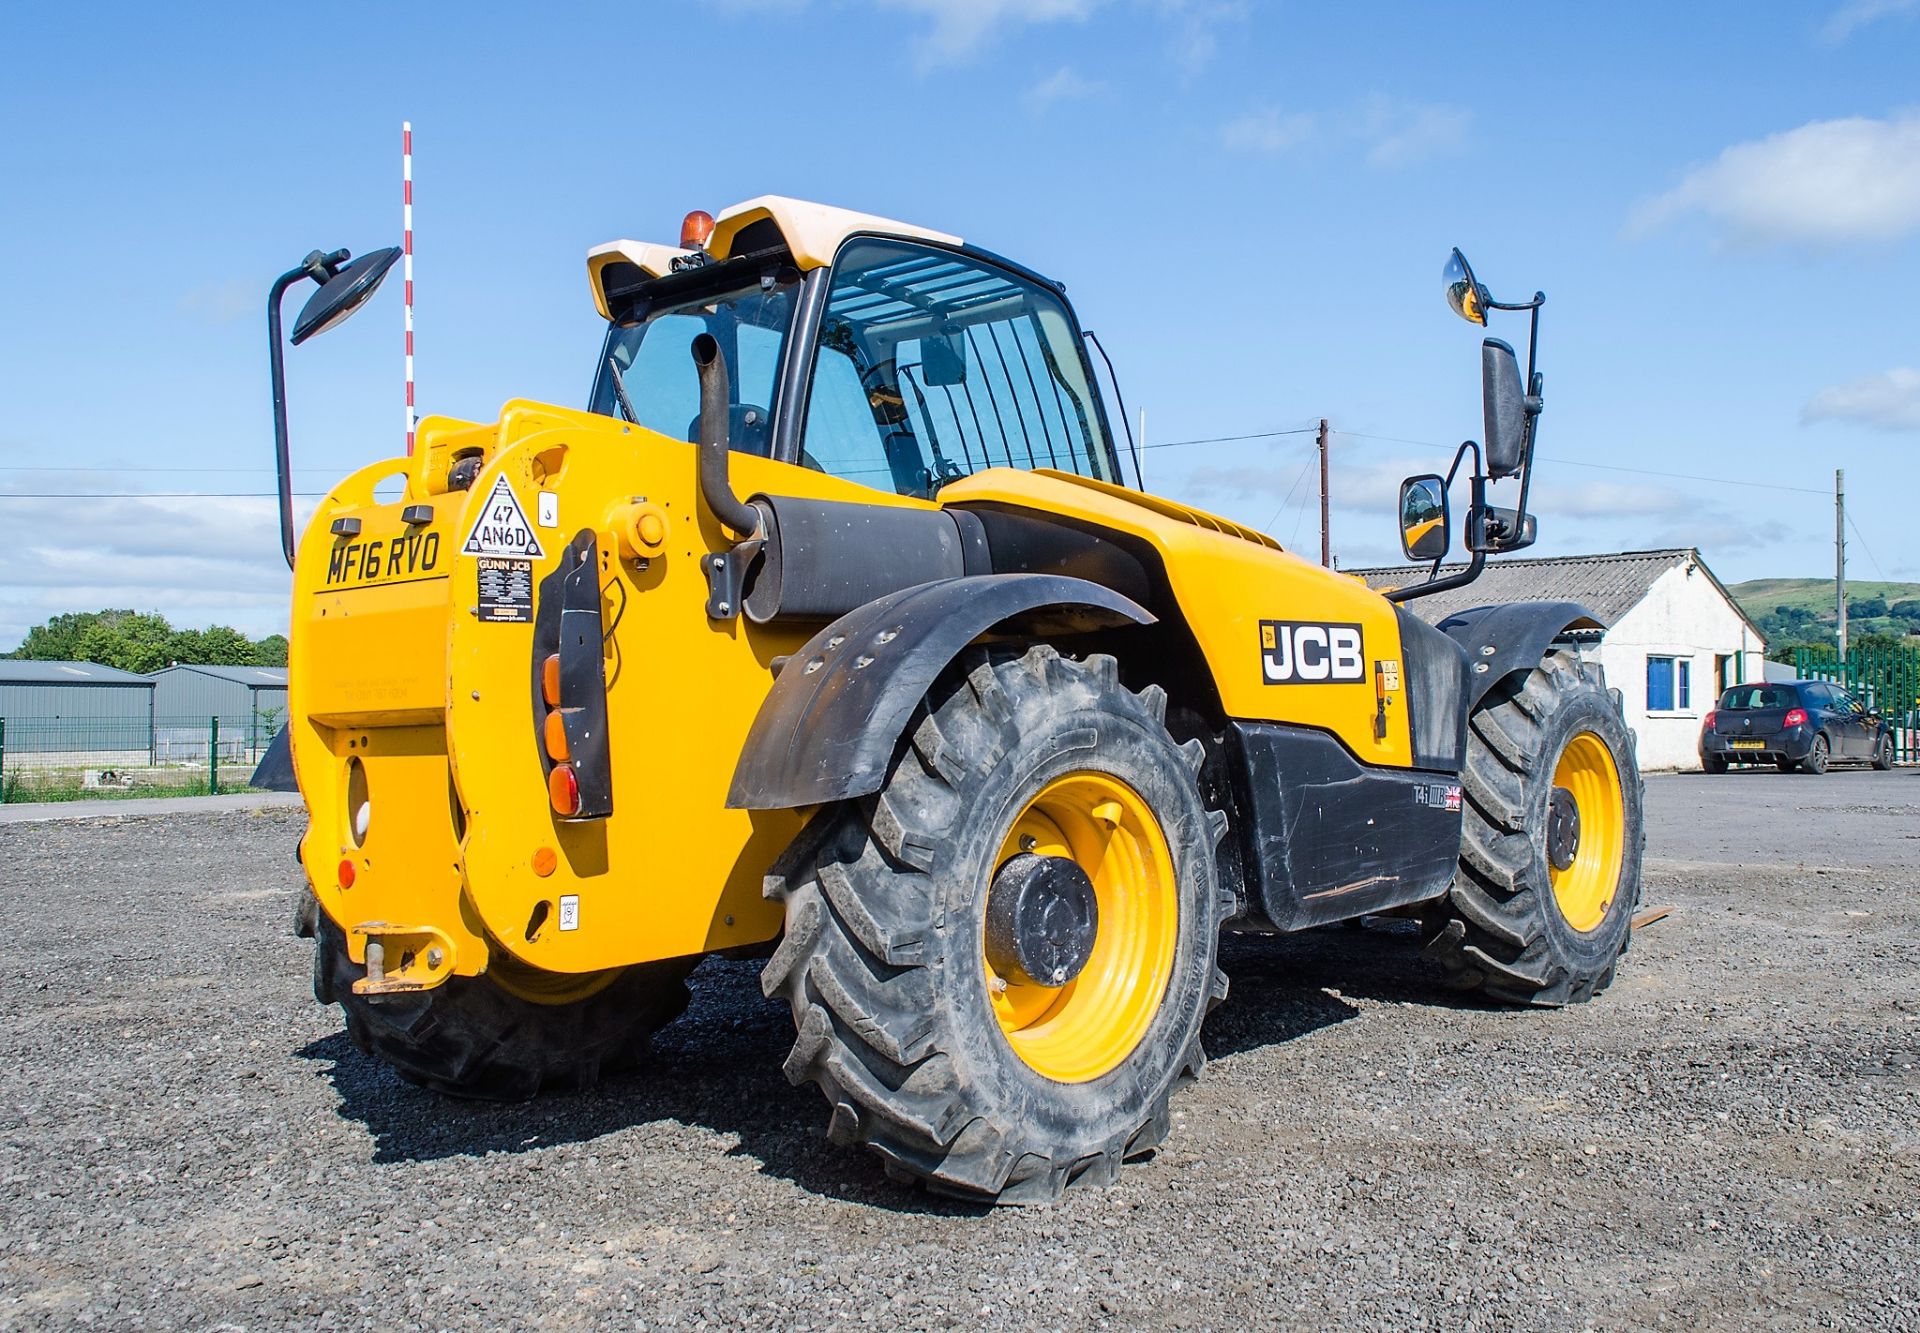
1311	652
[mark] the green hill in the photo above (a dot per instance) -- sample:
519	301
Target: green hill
1793	611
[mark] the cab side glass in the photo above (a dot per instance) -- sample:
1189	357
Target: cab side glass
1425	531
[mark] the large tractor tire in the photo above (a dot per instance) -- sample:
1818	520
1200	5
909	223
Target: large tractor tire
509	1033
999	964
1550	852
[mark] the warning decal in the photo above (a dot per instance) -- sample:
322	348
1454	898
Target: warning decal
502	528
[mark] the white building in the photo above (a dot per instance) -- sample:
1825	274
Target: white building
1675	638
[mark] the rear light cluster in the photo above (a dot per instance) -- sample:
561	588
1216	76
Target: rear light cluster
1708	724
1796	717
563	789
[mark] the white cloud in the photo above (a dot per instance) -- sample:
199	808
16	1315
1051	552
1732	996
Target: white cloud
1402	133
1063	85
1889	400
1268	130
1197	24
960	27
1393	133
196	561
1826	183
1858	14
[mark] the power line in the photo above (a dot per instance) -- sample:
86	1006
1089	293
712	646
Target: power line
1230	439
155	495
237	471
1865	545
1603	467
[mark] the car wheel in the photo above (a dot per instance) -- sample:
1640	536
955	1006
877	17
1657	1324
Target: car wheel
1883	754
1713	763
1816	760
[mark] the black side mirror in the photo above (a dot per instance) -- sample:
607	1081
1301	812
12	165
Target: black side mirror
1426	529
342	291
1505	404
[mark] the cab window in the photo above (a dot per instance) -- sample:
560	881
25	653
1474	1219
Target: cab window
933	365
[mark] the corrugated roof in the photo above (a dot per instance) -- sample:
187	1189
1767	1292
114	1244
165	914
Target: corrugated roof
66	673
1609	585
261	677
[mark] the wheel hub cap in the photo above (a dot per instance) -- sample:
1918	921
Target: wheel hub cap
1563	829
1042	920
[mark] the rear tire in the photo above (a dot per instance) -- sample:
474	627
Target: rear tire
1883	754
472	1037
1714	763
955	1077
1817	757
1513	925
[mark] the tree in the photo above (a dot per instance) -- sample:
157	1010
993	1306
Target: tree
144	642
138	643
59	639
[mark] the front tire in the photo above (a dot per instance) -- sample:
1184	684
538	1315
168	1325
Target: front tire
1551	846
956	1069
1883	754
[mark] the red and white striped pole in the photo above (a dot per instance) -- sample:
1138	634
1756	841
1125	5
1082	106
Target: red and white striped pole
406	222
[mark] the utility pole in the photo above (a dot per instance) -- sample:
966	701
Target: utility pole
1326	532
1840	556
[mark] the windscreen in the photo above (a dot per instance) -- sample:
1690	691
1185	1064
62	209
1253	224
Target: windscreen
1745	698
655	365
933	365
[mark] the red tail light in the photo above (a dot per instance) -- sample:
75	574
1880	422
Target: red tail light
1708	724
563	789
1796	717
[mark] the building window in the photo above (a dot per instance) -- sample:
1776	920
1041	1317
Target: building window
1669	684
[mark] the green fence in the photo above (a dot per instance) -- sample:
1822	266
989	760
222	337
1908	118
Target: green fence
1886	680
54	758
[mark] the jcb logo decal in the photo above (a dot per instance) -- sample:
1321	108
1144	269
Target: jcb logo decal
1301	652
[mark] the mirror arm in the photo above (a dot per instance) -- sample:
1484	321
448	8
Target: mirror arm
277	371
1476	508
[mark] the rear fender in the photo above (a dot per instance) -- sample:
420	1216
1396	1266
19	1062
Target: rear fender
828	728
1514	636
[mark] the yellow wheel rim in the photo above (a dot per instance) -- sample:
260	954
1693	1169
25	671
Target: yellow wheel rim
1077	1032
540	987
1585	888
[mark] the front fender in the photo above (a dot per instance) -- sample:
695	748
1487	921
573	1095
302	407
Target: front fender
828	728
1500	640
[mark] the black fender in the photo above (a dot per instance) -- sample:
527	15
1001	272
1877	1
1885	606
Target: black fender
1514	636
827	729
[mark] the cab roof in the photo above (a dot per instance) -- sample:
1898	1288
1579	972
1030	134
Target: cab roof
812	233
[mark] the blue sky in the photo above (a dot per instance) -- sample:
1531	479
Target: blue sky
1251	202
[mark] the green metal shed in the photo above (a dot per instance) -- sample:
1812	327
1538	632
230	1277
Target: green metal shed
77	708
250	701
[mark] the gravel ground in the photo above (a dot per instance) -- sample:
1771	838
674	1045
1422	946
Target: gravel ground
1729	1137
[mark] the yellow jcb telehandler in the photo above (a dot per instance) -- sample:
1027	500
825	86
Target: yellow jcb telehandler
833	630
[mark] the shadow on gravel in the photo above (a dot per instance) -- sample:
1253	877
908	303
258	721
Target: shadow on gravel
718	1068
1286	986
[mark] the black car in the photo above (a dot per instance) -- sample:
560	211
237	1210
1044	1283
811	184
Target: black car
1796	724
